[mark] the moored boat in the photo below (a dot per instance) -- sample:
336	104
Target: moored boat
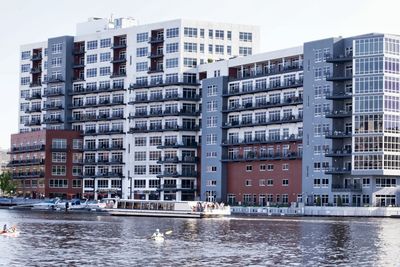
155	208
46	205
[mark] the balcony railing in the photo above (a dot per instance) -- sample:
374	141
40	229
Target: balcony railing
33	123
268	71
119	59
26	162
160	128
104	147
92	90
52	92
185	159
156	39
165	82
33	109
346	188
337	134
263	139
118	74
338	114
79	50
35	84
52	106
36	57
36	70
34	96
268	104
338	153
156	55
265	156
262	122
161	98
22	149
49	120
23	175
178	145
336	170
178	174
262	88
339	96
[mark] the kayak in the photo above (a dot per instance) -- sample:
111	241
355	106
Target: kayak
10	234
158	238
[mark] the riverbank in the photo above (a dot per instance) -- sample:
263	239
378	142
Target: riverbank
318	211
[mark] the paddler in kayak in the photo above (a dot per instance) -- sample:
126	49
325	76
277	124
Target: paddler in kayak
157	235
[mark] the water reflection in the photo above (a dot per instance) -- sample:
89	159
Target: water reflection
58	239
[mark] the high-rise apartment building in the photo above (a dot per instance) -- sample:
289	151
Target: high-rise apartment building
351	121
133	92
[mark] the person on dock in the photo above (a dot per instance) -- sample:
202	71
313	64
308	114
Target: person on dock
66	206
4	229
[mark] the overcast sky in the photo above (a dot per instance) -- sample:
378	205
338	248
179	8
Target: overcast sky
282	24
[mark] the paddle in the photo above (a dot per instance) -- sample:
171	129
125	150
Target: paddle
168	232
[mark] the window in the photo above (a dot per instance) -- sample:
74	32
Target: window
249	168
190	47
56	48
59	157
270	167
263	167
190	62
105	43
58	183
172	32
219	49
211	139
270	182
211	154
76	170
91	73
105	57
141	52
219	34
285	166
56	62
211	168
212	106
25	80
285	182
91	45
76	183
25	55
211	122
245	51
140	156
59	143
261	182
25	67
90	59
172	48
247	182
245	36
142	66
211	183
142	37
58	170
229	35
171	63
190	32
140	169
210	48
212	90
105	71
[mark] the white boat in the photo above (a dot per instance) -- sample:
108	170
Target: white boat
46	205
156	208
159	238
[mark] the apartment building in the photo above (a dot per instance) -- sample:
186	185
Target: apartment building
47	163
112	80
351	121
252	129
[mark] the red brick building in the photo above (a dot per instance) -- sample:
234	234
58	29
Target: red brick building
47	163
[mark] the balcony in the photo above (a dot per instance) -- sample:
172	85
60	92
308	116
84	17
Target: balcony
251	156
119	59
55	80
264	122
156	55
178	174
335	170
340	58
155	70
78	51
104	161
35	84
25	162
334	114
36	70
33	123
175	187
104	147
34	96
340	77
272	70
160	113
346	188
156	39
104	131
25	175
186	159
178	145
118	45
79	65
236	91
35	109
189	81
161	98
338	153
80	78
263	105
23	149
110	175
159	128
52	92
339	96
337	135
52	120
118	74
36	57
52	106
262	140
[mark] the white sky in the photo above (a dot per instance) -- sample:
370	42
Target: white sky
283	23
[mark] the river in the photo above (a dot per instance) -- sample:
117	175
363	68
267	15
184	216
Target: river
89	239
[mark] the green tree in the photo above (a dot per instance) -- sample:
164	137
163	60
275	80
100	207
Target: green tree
7	185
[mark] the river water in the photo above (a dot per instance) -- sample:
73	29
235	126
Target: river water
88	239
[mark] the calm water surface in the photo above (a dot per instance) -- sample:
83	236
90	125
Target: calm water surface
59	239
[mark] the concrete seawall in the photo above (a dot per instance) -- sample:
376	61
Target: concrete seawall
318	211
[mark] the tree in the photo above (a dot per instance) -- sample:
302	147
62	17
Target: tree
7	185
